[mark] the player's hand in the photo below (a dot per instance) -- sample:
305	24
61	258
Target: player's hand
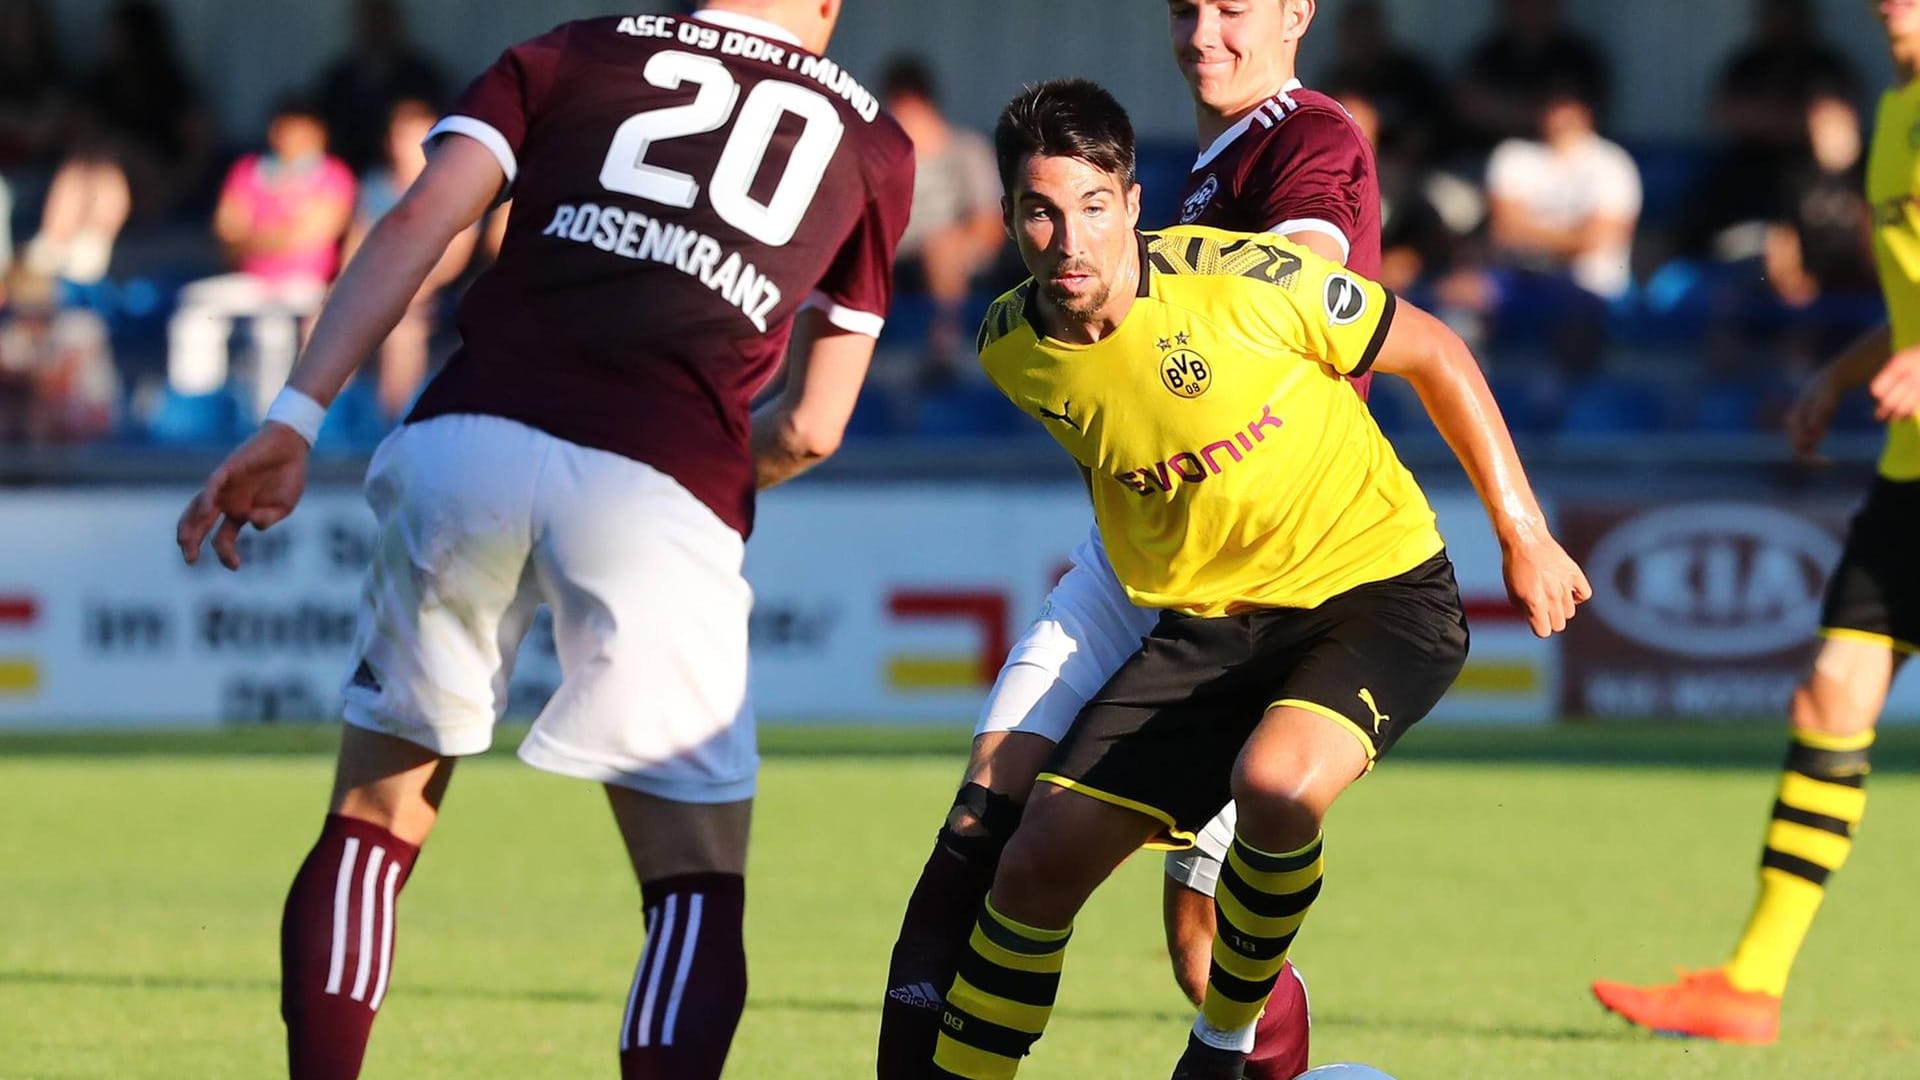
259	484
1809	418
1545	582
1896	390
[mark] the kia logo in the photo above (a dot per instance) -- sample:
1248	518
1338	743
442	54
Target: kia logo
1715	580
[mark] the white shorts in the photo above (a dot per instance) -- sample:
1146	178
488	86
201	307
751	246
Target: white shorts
1087	628
481	520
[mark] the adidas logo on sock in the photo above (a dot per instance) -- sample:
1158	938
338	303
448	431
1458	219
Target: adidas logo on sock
921	995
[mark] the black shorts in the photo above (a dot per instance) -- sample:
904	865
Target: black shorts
1162	736
1874	594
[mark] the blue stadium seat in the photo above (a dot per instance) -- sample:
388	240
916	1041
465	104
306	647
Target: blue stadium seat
1526	400
1162	168
1728	407
972	410
353	424
1612	405
876	415
210	420
1670	171
1389	406
1855	414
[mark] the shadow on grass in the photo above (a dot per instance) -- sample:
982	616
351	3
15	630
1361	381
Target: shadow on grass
1437	1027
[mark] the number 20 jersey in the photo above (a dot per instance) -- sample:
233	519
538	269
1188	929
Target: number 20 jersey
681	189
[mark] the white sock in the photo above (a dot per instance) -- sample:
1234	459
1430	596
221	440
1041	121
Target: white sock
1239	1040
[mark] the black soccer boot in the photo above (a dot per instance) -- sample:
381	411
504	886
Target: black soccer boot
1203	1062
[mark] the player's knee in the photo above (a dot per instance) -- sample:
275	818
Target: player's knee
1276	782
1832	707
980	821
1280	804
1034	873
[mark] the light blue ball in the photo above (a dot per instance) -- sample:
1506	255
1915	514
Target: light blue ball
1347	1071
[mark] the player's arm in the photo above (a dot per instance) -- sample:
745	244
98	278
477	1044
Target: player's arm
233	217
1541	578
826	366
460	182
1320	244
1892	377
260	483
1860	364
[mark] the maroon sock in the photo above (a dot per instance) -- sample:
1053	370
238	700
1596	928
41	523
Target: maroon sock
692	980
1280	1038
933	934
336	945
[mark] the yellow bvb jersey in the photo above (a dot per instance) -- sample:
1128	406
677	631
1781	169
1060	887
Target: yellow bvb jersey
1893	187
1232	467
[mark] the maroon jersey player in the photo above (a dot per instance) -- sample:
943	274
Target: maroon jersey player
693	200
1299	166
1274	157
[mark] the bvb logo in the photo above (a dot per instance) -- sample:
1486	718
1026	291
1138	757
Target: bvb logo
1186	373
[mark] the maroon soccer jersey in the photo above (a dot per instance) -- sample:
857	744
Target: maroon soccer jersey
681	189
1298	163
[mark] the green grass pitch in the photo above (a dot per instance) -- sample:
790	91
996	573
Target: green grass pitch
1475	885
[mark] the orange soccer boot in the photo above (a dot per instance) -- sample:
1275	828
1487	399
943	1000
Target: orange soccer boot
1703	1005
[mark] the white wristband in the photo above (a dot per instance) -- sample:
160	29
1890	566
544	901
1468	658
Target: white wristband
299	412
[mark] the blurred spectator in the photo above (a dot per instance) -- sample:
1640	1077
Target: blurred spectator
955	228
33	88
86	207
57	378
139	142
1764	89
281	216
359	89
1529	52
139	110
1415	240
1819	242
1408	94
1566	203
1760	109
403	359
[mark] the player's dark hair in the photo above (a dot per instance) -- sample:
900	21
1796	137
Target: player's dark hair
1065	118
909	76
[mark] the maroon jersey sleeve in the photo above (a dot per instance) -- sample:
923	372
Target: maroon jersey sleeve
1312	175
857	288
498	107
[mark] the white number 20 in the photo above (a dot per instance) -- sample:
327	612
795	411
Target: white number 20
772	222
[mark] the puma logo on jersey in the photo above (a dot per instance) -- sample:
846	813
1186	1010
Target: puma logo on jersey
1379	718
1061	416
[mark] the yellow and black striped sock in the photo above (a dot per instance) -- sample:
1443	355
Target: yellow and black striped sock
1822	799
1261	901
1001	997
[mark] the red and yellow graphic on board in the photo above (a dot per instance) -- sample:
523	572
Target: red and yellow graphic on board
19	675
974	669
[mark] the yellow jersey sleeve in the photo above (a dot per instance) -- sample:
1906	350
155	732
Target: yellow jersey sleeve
1327	312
